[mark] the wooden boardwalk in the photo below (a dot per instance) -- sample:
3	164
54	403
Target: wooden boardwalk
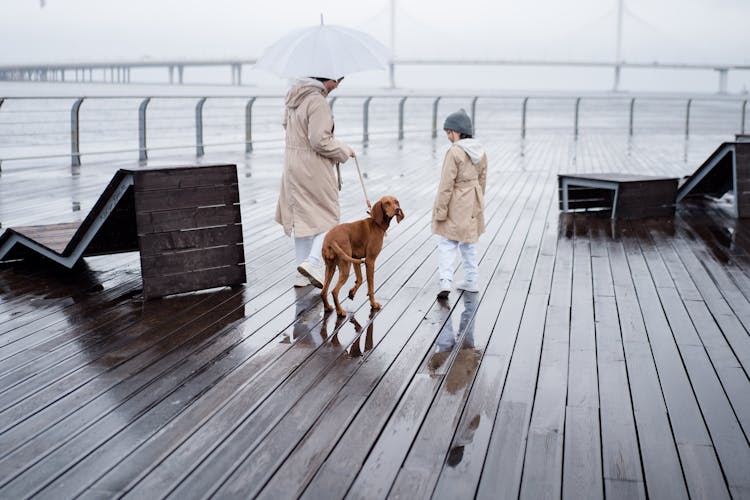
598	360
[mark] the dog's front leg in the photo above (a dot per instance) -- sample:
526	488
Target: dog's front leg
370	268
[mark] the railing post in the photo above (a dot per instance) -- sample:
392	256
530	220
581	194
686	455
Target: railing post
199	151
687	118
401	118
434	117
2	100
75	152
142	151
474	115
523	117
249	125
744	108
630	121
366	120
575	119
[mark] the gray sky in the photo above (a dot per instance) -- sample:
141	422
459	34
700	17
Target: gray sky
665	30
687	31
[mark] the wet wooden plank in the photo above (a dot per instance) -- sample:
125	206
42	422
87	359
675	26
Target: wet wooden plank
686	419
151	444
330	478
268	413
621	461
174	220
582	454
273	412
334	423
192	239
26	455
419	474
260	463
730	324
175	178
582	466
661	464
122	402
186	197
542	474
55	236
387	475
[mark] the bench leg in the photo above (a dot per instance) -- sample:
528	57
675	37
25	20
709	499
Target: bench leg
614	202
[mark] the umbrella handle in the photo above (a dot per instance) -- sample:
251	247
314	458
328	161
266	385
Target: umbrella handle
361	181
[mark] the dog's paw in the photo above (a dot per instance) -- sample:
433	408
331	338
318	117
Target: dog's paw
352	292
374	304
328	307
341	313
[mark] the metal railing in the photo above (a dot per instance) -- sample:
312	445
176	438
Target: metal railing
200	144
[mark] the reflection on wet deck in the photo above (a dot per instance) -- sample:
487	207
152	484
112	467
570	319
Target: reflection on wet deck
598	359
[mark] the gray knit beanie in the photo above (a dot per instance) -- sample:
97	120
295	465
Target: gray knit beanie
460	122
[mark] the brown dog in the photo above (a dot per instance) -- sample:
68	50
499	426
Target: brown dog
354	243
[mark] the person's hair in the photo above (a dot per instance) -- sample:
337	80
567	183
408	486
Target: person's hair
461	135
323	80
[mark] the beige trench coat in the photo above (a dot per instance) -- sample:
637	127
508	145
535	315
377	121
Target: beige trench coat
458	212
309	198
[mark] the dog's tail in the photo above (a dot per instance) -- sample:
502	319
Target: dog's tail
342	255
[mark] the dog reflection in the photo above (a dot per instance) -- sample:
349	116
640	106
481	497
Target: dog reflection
356	349
339	322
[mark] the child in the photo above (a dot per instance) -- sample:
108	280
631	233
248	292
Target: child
458	213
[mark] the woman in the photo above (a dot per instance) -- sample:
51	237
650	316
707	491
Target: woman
308	204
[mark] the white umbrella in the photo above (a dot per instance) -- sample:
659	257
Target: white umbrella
326	51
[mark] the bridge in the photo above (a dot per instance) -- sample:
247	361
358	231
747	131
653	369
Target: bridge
120	71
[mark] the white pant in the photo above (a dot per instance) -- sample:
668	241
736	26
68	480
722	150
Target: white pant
447	250
310	248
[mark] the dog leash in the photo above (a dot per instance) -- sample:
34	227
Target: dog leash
362	181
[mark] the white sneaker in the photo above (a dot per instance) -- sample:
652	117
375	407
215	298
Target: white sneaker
300	280
468	286
445	289
312	272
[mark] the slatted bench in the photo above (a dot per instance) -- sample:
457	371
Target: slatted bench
184	221
625	196
726	170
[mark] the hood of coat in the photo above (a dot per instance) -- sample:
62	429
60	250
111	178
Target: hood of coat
473	148
301	89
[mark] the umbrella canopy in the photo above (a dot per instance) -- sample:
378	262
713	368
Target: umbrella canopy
326	51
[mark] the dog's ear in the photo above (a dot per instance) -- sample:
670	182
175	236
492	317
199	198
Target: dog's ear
377	212
399	212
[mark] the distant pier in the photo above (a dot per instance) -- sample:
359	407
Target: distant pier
120	71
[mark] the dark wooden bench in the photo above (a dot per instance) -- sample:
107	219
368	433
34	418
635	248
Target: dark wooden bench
184	221
726	170
625	196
